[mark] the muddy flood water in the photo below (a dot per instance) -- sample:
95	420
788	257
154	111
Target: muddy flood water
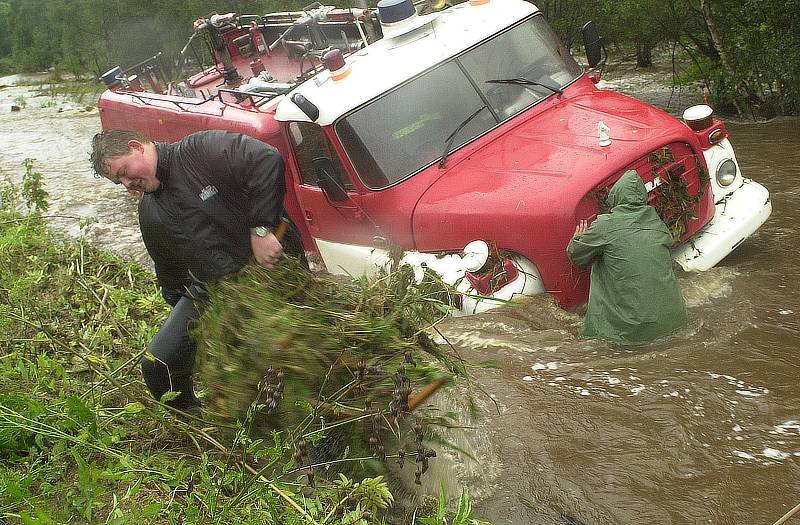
703	428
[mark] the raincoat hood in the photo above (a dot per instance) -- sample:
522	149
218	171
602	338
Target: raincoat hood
629	189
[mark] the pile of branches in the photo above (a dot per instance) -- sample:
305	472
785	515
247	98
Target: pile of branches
284	349
673	200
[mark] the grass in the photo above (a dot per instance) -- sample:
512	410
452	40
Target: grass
81	440
78	91
56	90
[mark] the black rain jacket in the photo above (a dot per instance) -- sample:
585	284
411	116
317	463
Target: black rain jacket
215	186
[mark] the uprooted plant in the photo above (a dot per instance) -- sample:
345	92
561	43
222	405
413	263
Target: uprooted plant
344	366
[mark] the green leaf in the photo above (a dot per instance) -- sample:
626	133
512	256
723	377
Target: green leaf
305	406
169	396
133	408
27	519
14	490
441	510
79	411
464	510
151	510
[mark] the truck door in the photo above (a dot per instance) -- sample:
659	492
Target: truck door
331	207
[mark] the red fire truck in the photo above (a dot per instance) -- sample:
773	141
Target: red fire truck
468	138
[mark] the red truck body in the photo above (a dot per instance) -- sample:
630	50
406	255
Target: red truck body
521	184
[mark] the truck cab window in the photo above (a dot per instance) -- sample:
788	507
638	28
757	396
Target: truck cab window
406	129
309	142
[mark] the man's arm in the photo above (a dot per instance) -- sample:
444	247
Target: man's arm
262	179
258	173
587	242
258	170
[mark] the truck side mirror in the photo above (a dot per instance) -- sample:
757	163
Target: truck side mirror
593	45
327	180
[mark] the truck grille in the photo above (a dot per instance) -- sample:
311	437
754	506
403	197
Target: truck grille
677	187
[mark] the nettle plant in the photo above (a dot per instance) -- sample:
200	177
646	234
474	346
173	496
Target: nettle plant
33	188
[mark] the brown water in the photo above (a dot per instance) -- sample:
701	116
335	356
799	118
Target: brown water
57	134
704	428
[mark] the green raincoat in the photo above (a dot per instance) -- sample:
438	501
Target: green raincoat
633	296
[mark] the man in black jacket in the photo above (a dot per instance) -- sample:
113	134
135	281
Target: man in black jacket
209	203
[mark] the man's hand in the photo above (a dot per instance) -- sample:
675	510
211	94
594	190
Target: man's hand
581	228
267	250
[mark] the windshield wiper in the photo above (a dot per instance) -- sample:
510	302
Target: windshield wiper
449	140
524	82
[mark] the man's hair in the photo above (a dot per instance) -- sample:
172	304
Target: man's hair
108	145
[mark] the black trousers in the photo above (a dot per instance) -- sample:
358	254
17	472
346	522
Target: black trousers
170	360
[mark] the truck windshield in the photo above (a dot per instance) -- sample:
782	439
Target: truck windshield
405	130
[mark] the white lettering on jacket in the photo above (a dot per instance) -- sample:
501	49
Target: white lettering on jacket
208	192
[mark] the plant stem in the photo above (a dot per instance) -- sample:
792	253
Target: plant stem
786	517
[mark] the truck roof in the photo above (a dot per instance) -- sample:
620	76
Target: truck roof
388	63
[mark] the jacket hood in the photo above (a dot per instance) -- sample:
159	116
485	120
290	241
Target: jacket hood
629	189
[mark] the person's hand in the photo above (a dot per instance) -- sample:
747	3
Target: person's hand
135	193
267	250
581	228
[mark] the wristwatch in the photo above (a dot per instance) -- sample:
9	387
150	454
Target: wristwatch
260	231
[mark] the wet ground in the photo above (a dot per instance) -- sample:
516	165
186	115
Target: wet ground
703	428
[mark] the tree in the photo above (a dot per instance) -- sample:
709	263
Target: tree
568	16
746	51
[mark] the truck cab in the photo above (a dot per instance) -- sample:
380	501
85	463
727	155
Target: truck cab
468	139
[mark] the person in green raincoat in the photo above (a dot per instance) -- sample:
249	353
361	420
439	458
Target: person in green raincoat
633	295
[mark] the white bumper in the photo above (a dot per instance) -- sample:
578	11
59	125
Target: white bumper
737	216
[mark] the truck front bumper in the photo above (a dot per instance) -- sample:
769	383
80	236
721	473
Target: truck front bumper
737	216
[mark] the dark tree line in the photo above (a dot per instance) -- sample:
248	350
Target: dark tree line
90	36
746	51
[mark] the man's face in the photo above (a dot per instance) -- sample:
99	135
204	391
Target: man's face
136	170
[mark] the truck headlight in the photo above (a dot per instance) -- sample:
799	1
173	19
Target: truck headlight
726	173
476	254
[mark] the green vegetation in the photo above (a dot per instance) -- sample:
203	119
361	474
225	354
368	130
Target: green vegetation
334	340
463	512
744	51
78	91
81	441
